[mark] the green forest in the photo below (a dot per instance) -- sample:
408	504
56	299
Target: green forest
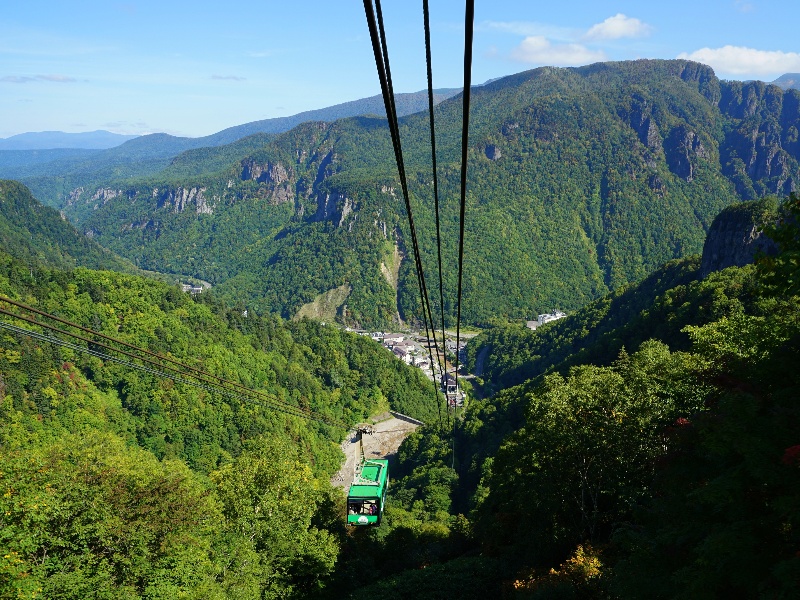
581	180
118	483
645	446
656	459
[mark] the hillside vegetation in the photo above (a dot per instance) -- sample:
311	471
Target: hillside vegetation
657	472
596	479
580	180
39	234
117	483
53	173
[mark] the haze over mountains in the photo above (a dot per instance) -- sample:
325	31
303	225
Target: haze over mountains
48	140
788	81
407	103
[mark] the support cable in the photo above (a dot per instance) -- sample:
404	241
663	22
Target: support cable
204	380
380	52
428	63
427	317
51	339
469	19
155	355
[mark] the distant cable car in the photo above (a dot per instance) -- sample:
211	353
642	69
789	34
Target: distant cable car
367	496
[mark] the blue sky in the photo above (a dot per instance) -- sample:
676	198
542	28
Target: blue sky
194	68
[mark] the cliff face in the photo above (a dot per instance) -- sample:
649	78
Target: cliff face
762	146
580	180
736	236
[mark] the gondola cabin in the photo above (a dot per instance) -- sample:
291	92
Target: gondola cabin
367	495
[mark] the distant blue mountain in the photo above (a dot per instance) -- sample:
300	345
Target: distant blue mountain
407	103
788	81
49	140
148	154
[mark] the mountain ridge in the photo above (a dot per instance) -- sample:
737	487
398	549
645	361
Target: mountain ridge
157	148
589	175
37	233
788	81
50	140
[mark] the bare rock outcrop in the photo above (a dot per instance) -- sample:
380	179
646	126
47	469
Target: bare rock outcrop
268	172
640	118
493	152
179	199
334	206
684	148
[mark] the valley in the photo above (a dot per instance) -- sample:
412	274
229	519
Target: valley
581	182
191	329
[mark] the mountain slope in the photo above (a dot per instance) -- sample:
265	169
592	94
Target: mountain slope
148	154
679	293
406	104
102	462
580	180
788	81
47	140
38	234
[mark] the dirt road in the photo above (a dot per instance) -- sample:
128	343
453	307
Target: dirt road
389	434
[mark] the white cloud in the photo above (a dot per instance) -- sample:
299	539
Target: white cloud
739	60
618	26
539	50
228	77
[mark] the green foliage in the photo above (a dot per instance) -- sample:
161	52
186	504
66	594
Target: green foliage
724	516
102	468
580	181
597	333
269	547
89	517
37	234
678	463
469	578
585	456
779	273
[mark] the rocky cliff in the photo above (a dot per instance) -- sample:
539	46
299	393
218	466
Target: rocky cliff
761	148
736	235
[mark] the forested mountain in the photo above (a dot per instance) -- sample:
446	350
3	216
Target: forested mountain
39	235
655	472
53	175
16	163
664	469
120	482
788	81
47	140
682	292
407	104
581	180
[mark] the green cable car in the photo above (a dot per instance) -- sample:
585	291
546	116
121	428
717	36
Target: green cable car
367	495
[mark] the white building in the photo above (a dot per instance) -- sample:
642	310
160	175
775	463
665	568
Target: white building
402	354
545	318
